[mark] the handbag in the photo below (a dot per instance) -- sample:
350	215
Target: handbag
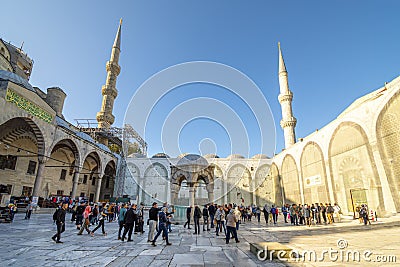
148	221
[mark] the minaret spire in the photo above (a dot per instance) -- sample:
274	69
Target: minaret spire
288	122
104	117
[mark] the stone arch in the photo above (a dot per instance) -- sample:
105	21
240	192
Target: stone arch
290	180
14	128
95	155
220	185
313	173
268	185
239	184
349	143
22	144
71	145
155	183
91	172
135	171
388	140
108	180
60	167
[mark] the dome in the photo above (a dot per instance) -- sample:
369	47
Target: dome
192	159
211	156
14	78
260	156
160	155
235	156
182	155
136	155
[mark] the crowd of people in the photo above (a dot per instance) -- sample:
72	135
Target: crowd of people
222	219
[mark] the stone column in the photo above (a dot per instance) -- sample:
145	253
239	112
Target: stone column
174	193
192	191
210	190
39	176
225	186
253	188
75	182
98	187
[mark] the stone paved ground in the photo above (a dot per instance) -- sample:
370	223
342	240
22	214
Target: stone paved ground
28	243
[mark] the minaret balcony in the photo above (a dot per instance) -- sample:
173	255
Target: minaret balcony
285	97
113	67
288	122
109	91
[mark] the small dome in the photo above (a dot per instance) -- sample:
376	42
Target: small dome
235	156
183	155
136	155
160	155
211	156
192	159
260	156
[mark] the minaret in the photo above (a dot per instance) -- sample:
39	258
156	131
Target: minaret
109	91
288	122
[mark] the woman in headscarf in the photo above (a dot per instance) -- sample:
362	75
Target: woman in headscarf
86	222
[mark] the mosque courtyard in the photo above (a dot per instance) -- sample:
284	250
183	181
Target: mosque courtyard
28	243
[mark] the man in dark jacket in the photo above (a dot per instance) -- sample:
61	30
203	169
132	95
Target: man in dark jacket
162	227
196	218
60	222
129	222
79	215
205	218
153	219
188	215
211	211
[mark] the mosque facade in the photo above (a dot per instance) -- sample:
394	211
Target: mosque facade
352	160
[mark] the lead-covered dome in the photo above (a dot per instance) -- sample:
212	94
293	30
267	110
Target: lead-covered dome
160	155
192	160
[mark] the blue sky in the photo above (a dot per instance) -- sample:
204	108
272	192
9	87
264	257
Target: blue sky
334	51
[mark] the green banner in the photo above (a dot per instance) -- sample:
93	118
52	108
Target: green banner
28	106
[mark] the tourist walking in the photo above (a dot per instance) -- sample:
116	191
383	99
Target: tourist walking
266	213
162	227
231	220
101	218
211	211
29	210
323	212
364	214
121	218
274	212
285	212
258	214
220	217
196	218
330	211
129	222
153	220
60	222
188	215
205	218
86	222
79	215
